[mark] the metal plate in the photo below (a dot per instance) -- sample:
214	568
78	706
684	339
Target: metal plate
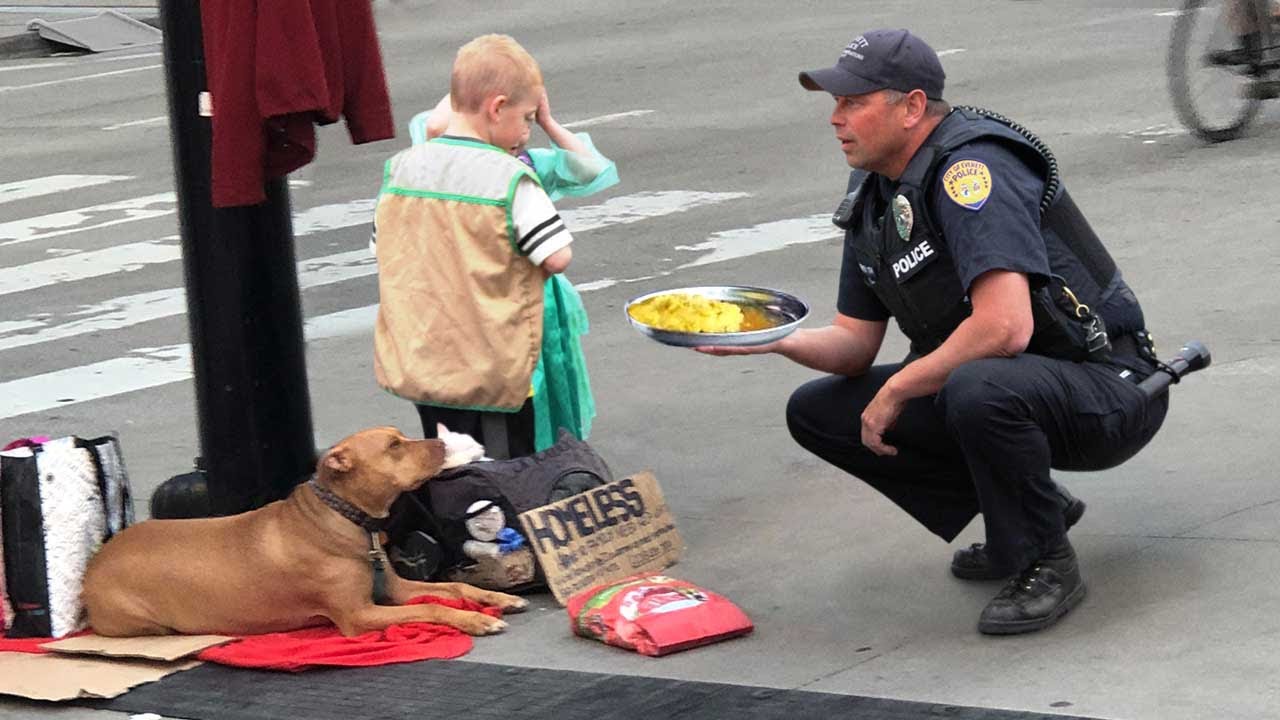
787	310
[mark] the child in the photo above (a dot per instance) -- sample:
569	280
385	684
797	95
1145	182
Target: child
572	166
466	240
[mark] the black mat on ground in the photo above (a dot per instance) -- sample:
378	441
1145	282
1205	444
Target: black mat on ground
476	691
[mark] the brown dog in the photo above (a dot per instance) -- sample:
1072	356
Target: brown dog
293	563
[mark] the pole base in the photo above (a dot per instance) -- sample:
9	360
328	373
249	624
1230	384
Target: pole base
182	497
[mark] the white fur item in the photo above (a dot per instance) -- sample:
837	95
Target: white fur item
459	448
74	527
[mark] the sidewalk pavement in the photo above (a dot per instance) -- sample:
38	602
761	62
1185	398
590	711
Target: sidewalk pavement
16	41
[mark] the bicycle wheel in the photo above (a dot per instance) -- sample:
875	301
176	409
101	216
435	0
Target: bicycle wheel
1213	62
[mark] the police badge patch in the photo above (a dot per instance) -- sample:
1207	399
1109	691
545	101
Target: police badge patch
902	217
968	183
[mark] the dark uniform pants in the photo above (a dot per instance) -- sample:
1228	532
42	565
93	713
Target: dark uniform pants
984	443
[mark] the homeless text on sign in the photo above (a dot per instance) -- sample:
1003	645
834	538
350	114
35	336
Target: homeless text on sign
608	532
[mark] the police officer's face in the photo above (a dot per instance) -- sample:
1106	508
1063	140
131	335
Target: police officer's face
869	130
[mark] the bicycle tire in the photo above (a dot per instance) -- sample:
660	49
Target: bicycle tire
1203	116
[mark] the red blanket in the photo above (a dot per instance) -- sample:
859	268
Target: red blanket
325	646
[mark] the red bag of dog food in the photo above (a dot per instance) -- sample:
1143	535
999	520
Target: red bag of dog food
655	615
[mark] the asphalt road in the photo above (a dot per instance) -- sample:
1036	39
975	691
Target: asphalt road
728	170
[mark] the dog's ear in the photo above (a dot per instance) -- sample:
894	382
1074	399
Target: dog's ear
337	460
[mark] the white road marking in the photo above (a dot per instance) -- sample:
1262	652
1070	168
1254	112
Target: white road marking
83	265
952	51
134	123
602	119
64	81
70	221
76	265
775	235
125	57
1169	13
1161	130
34	67
145	368
141	369
129	310
628	209
122	312
35	187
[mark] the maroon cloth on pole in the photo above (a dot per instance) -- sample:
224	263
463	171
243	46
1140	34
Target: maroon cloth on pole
275	69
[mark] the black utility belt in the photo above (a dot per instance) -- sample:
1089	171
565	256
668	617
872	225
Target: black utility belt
1134	353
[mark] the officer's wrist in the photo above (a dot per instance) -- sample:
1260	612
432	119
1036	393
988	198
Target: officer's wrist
893	389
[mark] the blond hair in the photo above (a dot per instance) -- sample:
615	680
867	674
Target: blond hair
492	65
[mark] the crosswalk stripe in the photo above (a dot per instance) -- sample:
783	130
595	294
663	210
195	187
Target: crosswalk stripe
141	369
132	256
602	119
121	312
35	187
84	265
152	367
775	235
78	78
128	310
626	209
89	218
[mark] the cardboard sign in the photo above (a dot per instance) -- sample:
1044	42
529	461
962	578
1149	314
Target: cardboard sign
606	533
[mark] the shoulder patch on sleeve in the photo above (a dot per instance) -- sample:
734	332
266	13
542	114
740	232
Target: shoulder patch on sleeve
968	183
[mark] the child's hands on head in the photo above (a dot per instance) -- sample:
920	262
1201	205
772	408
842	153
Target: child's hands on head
544	111
438	120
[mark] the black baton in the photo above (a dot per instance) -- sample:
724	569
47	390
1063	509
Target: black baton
1192	357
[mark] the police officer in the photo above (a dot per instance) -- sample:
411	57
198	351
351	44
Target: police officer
1026	343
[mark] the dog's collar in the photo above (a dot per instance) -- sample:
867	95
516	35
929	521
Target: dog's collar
366	521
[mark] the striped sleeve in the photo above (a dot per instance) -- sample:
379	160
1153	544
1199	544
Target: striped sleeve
539	229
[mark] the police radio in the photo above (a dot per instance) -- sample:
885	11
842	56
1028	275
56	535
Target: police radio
843	216
1192	357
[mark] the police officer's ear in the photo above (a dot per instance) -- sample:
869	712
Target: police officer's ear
915	104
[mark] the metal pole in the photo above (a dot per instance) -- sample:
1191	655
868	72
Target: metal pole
243	309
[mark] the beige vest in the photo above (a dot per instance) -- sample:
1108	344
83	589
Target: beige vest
460	314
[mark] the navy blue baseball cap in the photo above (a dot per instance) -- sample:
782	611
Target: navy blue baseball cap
879	60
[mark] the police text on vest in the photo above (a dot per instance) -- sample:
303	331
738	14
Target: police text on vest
911	259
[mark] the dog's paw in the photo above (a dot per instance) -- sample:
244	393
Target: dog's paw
507	603
481	624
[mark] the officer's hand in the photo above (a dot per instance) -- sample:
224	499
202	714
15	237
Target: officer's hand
877	419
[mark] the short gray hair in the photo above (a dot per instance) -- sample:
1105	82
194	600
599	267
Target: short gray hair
932	108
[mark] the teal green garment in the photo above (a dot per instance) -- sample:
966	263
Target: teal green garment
418	127
561	389
567	174
563	174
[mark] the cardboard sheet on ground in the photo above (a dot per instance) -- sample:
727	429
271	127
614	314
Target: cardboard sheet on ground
165	648
606	533
90	666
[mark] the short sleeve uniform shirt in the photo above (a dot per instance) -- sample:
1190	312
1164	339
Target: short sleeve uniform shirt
1000	233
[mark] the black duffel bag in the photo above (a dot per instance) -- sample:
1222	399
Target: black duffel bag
439	508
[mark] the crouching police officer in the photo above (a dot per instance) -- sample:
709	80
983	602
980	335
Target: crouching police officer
1026	344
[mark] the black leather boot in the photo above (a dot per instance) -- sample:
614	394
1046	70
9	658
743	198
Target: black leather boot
972	563
1036	597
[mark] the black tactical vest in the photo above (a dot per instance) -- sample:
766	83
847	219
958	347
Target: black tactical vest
905	260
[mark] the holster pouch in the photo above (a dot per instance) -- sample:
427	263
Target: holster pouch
1066	328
